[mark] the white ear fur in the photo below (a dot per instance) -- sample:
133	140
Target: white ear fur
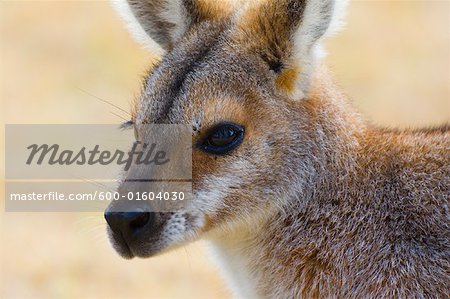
123	8
321	18
338	17
173	13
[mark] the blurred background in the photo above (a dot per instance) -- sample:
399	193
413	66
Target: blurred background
393	60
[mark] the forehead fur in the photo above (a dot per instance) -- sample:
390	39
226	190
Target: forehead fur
206	64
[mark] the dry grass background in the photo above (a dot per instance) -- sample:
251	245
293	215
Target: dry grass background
393	60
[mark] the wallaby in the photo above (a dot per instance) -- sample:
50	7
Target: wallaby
298	196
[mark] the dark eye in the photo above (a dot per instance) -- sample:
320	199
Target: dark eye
223	139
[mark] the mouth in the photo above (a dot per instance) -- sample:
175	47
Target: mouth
135	232
135	247
143	234
142	237
120	245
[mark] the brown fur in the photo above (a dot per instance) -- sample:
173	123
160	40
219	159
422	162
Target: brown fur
315	202
375	220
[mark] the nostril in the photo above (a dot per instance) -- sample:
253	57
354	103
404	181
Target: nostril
114	220
139	219
128	222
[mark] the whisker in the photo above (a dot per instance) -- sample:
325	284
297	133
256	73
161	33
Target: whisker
119	116
188	259
103	186
104	101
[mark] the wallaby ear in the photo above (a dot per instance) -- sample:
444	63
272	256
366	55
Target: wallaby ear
157	24
289	34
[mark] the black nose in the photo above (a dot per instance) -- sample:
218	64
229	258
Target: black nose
128	223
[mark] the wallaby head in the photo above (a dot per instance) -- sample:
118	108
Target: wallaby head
238	74
297	194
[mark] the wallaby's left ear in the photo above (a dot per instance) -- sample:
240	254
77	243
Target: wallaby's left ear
157	24
288	34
